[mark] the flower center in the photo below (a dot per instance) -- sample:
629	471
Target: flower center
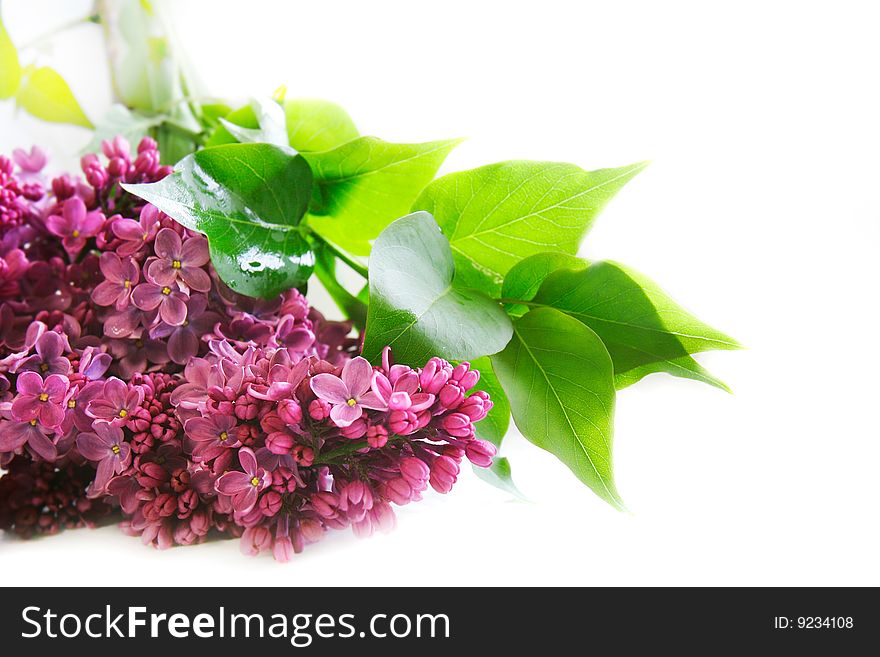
115	449
44	367
126	283
44	396
75	233
223	436
139	343
255	482
166	290
71	403
175	264
122	412
33	422
351	402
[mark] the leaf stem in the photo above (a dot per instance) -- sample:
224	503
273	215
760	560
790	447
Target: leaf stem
351	448
348	260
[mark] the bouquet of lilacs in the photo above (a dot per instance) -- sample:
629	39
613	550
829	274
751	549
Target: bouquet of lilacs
158	357
133	381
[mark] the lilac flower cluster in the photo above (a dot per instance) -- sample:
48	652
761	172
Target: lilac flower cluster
133	380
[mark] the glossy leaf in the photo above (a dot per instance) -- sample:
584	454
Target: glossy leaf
560	381
248	199
524	278
417	309
645	331
10	69
317	125
44	94
499	214
365	184
269	117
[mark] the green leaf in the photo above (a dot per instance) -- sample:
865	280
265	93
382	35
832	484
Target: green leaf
494	426
525	277
248	199
417	309
353	308
244	117
498	474
645	331
10	69
317	125
365	184
45	95
499	214
560	381
271	122
119	120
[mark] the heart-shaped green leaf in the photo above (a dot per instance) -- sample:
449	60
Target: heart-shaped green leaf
496	215
560	381
10	69
365	184
645	331
248	199
417	308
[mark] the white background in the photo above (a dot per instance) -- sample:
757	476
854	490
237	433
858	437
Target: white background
759	213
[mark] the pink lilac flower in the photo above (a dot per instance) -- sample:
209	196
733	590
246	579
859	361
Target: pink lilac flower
180	261
120	277
14	435
106	447
244	487
116	402
170	302
135	235
213	435
39	399
75	224
30	162
183	340
350	393
49	359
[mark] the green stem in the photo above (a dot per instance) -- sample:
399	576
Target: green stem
351	448
356	266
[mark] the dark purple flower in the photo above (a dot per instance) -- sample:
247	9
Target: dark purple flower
48	360
107	448
350	393
120	277
116	402
180	261
244	487
170	301
183	340
41	400
75	224
136	234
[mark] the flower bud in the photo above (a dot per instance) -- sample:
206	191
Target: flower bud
415	471
458	425
290	412
480	453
